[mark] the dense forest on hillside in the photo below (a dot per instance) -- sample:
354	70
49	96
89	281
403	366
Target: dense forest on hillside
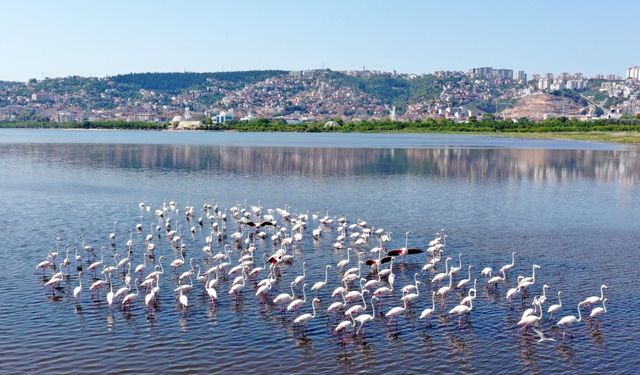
175	82
398	91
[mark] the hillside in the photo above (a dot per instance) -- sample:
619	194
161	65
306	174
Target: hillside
292	96
541	105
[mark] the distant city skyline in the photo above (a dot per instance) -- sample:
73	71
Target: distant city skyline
63	38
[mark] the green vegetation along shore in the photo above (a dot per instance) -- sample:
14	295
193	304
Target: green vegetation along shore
625	130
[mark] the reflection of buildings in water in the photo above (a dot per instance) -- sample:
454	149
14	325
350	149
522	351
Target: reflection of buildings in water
469	163
532	164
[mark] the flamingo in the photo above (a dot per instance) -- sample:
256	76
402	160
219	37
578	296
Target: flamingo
445	289
384	290
44	265
94	266
284	298
467	299
495	279
412	287
462	309
365	318
555	307
507	267
78	258
431	264
396	311
387	271
158	269
529	320
184	301
320	284
525	282
211	291
256	270
97	285
569	320
462	283
595	299
237	288
486	272
300	279
177	263
442	275
543	298
598	312
129	298
373	283
305	318
405	250
337	305
454	269
354	294
531	278
264	289
343	326
149	298
510	293
410	296
112	235
187	274
53	283
356	309
531	310
77	290
426	313
296	304
141	267
110	294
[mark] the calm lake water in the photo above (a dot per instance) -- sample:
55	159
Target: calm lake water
571	207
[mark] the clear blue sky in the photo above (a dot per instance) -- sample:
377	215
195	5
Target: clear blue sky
91	38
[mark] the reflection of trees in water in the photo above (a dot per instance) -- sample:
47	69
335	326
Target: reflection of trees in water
470	163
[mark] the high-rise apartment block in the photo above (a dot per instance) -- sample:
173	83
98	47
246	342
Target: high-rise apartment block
633	72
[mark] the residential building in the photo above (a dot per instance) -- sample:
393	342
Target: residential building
544	84
484	72
502	74
224	117
633	72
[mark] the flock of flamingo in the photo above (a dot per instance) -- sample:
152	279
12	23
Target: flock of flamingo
249	250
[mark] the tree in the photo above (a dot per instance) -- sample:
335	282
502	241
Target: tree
598	112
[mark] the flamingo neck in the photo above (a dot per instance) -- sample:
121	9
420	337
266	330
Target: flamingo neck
579	313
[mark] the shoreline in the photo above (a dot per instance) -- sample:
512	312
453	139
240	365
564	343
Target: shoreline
630	138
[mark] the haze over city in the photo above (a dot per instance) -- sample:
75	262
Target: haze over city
64	38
